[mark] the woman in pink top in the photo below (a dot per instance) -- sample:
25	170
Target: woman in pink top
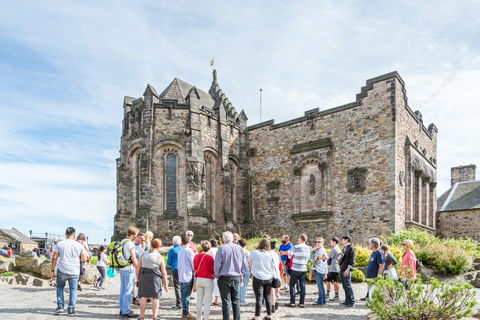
408	262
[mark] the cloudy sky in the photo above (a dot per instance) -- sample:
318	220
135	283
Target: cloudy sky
65	67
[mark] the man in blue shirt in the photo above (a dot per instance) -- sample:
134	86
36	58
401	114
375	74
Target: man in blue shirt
284	249
173	261
185	276
376	262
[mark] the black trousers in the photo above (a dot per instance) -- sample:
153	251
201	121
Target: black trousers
230	293
176	285
262	289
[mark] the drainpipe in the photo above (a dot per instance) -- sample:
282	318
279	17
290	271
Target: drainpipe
249	191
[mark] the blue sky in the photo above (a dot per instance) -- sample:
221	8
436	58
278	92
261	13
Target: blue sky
66	65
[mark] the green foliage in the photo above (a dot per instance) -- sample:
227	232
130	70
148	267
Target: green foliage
7	274
363	256
445	259
94	259
420	238
433	301
357	276
423	238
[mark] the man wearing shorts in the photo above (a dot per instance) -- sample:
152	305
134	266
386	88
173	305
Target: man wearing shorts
284	249
334	269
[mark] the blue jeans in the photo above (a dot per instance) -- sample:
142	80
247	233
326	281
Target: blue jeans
72	285
186	290
127	286
243	289
229	287
347	286
102	277
301	277
321	289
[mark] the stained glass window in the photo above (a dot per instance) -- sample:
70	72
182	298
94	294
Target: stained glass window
171	182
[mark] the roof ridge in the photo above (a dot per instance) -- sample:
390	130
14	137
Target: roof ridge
452	192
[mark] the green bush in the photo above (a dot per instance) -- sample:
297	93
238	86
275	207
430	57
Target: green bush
419	238
445	259
363	256
433	301
7	274
357	276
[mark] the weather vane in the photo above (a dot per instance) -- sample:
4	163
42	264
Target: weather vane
212	63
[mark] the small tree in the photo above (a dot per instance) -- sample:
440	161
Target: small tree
433	301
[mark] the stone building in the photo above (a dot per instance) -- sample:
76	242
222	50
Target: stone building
458	212
12	238
189	161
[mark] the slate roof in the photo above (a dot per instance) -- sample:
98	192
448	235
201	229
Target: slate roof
17	235
179	90
461	196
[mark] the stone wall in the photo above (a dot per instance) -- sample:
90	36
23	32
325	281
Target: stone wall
463	173
342	170
456	224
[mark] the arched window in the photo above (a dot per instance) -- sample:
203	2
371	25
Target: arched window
171	182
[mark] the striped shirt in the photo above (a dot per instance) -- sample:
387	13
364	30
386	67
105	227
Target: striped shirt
301	255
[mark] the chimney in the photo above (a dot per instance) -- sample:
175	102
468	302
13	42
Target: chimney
463	173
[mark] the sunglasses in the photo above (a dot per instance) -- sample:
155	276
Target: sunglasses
404	244
318	241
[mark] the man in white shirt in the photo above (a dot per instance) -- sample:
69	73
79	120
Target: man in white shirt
127	274
299	255
69	254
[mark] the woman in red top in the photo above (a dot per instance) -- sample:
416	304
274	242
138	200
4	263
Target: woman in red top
10	252
408	263
203	266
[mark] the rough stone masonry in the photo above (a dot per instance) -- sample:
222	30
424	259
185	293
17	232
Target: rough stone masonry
189	161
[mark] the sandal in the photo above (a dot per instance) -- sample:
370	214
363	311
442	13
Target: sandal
301	305
291	305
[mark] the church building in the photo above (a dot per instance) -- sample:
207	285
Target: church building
189	161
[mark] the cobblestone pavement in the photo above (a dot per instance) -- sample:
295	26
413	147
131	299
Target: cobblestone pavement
27	302
36	303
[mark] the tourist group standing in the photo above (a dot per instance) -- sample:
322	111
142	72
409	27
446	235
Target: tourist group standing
224	271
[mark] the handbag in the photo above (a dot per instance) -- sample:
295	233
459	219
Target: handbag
194	289
276	283
340	258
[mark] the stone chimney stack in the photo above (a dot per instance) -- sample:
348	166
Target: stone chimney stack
463	173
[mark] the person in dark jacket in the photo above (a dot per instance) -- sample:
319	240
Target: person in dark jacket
346	269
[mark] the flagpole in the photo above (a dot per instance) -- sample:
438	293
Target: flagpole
261	90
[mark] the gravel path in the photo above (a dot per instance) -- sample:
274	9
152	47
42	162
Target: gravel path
27	302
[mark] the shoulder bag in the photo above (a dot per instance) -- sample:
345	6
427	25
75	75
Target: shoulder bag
276	283
194	289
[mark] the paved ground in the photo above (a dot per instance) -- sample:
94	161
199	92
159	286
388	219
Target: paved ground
26	302
36	303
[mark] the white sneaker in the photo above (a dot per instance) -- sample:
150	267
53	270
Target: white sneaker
244	303
59	310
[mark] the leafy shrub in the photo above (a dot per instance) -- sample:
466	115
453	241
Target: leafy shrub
419	237
445	259
357	276
434	301
363	256
7	274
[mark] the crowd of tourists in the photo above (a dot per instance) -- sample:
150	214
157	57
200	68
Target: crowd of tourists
224	271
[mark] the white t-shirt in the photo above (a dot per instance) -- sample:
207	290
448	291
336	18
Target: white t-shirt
102	260
126	253
69	252
276	263
321	264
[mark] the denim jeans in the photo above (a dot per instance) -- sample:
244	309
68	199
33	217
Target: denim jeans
301	277
347	286
321	289
127	285
262	289
243	289
230	293
186	290
72	285
102	277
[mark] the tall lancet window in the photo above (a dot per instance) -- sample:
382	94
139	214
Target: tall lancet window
171	182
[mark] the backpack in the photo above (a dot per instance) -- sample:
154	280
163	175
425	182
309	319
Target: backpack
115	250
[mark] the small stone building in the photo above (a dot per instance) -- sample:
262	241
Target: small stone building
189	161
458	212
12	238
